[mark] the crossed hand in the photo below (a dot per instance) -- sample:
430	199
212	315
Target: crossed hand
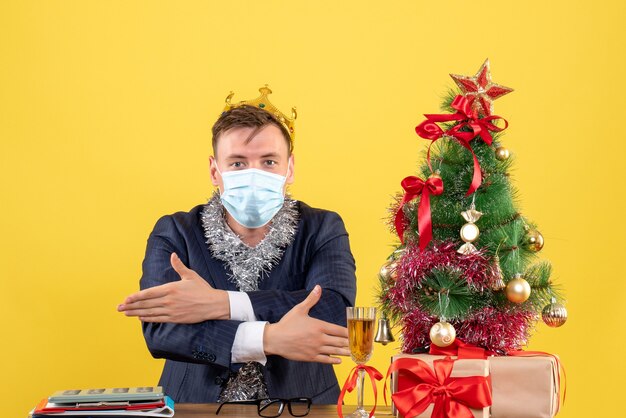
190	300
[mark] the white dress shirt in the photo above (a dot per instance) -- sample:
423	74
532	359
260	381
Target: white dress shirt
248	343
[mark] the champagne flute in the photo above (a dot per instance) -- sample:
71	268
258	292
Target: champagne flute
361	337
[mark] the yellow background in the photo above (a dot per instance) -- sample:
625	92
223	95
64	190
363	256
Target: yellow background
105	116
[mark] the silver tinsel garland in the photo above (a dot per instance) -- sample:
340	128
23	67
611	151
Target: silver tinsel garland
247	383
248	266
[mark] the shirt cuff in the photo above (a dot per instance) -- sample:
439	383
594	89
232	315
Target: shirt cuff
240	306
248	343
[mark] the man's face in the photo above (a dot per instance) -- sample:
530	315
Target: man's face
267	151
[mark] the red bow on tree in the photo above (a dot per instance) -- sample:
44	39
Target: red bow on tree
467	119
413	187
452	396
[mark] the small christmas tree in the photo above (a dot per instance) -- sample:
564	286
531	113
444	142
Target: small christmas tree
466	265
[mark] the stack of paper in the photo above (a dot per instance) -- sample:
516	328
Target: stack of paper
145	401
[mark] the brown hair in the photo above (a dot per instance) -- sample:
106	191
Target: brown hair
247	117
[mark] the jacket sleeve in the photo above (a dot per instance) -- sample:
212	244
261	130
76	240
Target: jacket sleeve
331	265
207	342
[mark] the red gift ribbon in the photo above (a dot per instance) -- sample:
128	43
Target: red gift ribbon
351	384
480	127
452	396
413	187
460	349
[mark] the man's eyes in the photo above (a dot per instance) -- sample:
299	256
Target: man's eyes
242	164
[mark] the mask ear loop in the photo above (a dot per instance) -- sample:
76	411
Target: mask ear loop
217	167
288	166
287	193
218	170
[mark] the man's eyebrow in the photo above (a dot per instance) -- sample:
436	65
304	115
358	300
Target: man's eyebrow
236	156
243	157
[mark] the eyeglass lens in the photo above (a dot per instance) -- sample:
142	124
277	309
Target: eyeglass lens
271	408
299	407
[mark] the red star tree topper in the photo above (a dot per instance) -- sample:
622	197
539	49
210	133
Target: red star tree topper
480	90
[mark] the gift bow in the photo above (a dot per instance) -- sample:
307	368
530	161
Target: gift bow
351	384
452	396
460	349
413	187
469	119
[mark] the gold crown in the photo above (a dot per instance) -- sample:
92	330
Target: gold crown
264	103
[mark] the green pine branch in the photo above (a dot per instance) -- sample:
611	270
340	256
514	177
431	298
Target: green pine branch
542	290
446	295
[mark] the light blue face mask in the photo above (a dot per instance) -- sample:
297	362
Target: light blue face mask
252	196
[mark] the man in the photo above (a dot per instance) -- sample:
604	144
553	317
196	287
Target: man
228	287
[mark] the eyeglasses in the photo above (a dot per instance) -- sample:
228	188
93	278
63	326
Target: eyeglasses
273	407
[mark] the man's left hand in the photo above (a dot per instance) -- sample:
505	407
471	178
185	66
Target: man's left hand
188	301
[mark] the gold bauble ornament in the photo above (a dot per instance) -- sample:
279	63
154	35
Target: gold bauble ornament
388	270
502	154
518	289
534	240
554	314
442	334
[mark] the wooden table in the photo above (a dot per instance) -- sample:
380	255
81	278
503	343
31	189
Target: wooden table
249	411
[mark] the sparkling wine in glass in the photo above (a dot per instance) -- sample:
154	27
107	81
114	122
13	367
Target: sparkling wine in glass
361	337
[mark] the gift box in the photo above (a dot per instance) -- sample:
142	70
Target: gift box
524	386
403	380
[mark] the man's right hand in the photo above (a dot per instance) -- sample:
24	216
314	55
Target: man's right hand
187	301
299	337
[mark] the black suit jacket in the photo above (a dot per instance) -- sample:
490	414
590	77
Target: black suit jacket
199	355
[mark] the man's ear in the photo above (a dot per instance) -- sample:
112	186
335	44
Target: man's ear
291	173
213	171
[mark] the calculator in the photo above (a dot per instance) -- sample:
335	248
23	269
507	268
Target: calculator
141	393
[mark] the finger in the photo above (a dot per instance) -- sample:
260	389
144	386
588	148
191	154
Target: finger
334	329
148	312
143	304
335	351
339	342
179	266
311	299
322	358
150	293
